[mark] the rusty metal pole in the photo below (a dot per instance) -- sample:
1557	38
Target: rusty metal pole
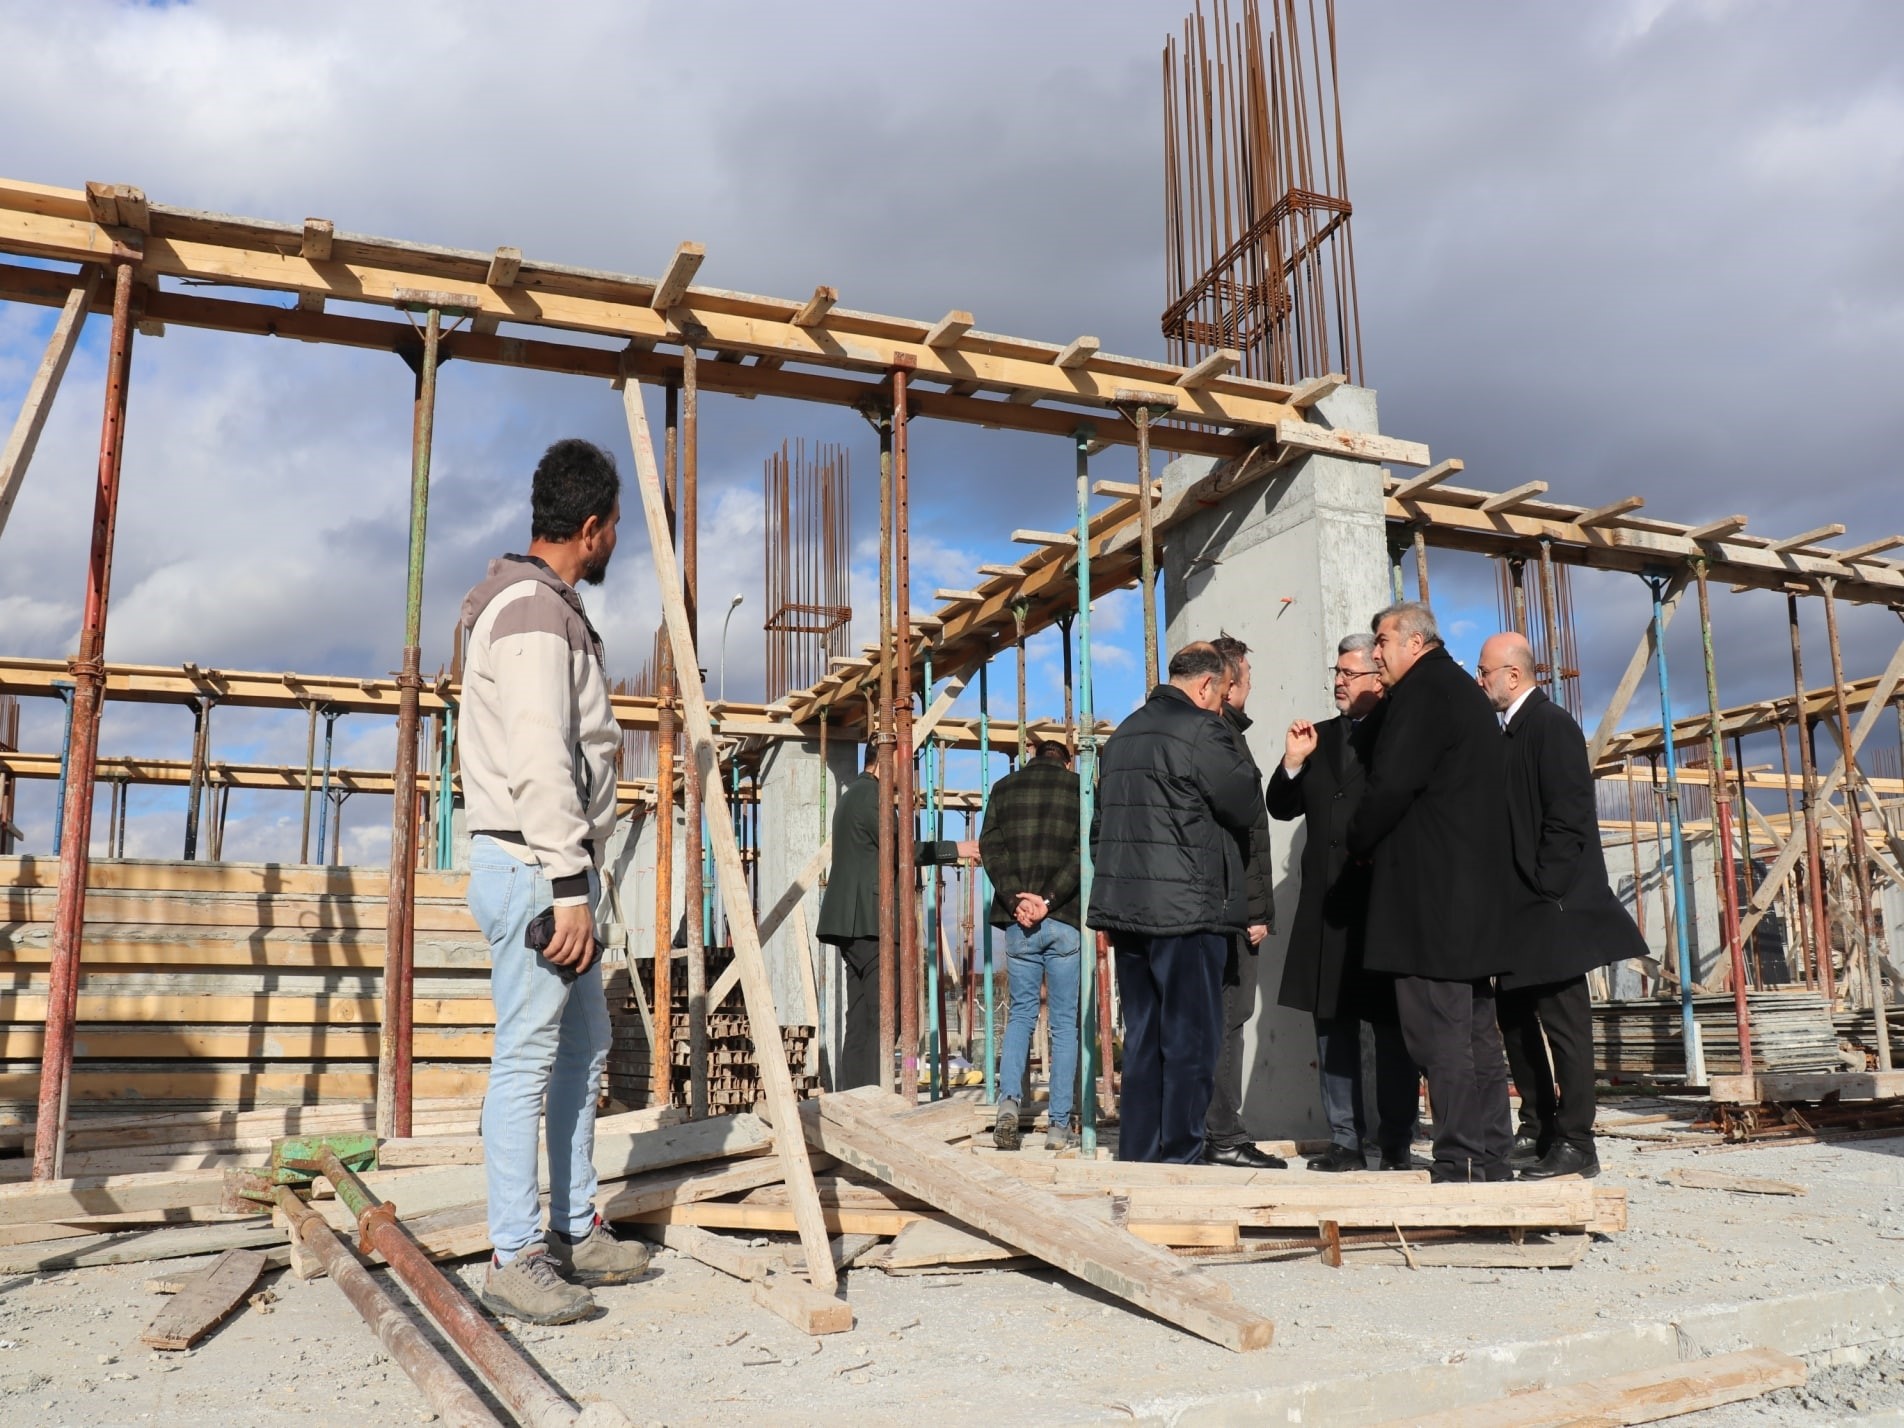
1814	863
661	1053
1020	609
1722	831
1147	549
1795	922
1064	654
1517	576
694	885
903	786
89	680
1550	619
195	788
882	737
1746	868
1421	564
433	1374
1860	858
396	1038
515	1379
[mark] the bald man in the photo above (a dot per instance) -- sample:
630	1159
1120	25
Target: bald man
1563	919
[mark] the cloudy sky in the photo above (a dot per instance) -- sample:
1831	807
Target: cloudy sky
1642	247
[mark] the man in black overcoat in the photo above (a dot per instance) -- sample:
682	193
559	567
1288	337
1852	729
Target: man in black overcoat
850	917
1433	823
1563	918
1320	780
1176	795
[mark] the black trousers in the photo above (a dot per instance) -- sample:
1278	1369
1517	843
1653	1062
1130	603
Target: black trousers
1397	1085
1224	1124
1172	992
1451	1032
1557	1101
859	1045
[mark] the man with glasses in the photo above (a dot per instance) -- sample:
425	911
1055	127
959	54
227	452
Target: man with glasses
1320	780
1563	918
1433	824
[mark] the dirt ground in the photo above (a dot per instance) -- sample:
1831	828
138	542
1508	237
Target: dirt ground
686	1345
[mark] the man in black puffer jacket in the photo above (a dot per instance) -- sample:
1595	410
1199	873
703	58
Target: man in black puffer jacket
1177	795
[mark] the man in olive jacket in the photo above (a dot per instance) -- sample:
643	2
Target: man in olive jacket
1433	823
850	917
1323	771
1563	918
1176	792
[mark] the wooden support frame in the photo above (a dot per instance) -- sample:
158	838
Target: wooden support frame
1636	669
769	1053
38	403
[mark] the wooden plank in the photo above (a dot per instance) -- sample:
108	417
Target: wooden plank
1219	363
1801	542
1644	1396
162	1082
395	1153
769	1053
1007	1209
46	1200
1352	445
1693	1178
504	267
815	308
1717	530
24	439
103	203
886	1220
1078	352
1806	1086
1607	514
1518	496
1315	389
681	269
809	1310
930	1242
789	900
947	331
1433	476
319	234
139	1247
205	1301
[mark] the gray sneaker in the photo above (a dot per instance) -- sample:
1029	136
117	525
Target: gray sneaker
598	1257
1005	1132
529	1288
1059	1138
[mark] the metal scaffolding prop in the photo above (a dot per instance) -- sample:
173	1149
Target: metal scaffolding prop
1259	260
809	565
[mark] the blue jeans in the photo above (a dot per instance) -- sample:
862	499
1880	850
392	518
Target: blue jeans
551	1045
1048	956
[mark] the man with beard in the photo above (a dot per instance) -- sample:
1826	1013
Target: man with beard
1320	780
538	746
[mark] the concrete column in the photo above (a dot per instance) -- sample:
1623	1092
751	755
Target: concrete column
798	797
1288	565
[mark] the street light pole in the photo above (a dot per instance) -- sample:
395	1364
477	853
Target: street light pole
732	606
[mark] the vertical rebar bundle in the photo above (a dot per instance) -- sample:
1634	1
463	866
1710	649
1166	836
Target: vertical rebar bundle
1523	599
809	590
1259	257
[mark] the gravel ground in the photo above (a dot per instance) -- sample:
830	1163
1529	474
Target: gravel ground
686	1346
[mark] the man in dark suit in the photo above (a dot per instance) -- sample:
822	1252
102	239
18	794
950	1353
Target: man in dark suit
850	917
1176	793
1433	823
1563	919
1320	780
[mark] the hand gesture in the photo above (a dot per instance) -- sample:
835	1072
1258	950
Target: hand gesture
1257	932
1298	744
968	850
1031	910
573	944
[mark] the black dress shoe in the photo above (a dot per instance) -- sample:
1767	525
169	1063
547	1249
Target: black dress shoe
1564	1159
1338	1158
1526	1147
1400	1160
1243	1156
1474	1173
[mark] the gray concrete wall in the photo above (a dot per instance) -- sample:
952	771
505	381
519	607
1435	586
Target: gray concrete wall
1288	565
798	795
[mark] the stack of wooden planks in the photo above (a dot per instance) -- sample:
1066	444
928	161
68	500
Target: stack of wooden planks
249	984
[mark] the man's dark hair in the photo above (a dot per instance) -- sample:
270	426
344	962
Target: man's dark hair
1234	652
574	480
1053	749
1195	660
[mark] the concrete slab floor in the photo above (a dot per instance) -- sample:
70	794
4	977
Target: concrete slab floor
688	1347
